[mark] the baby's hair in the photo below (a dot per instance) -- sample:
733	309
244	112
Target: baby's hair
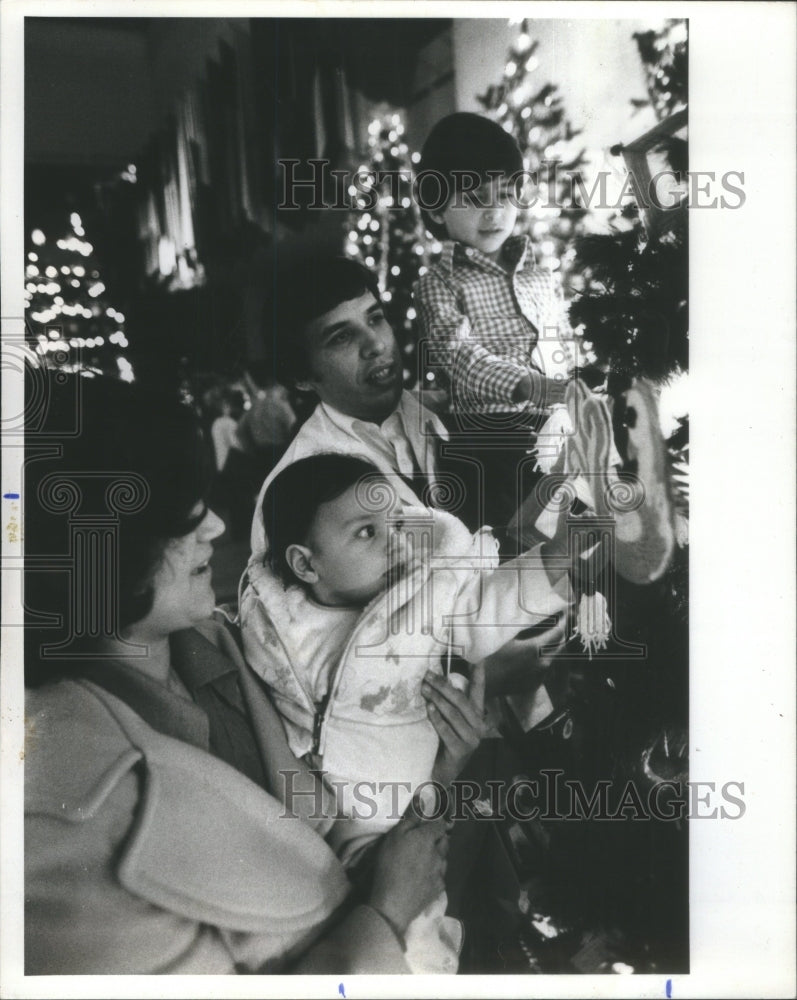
464	143
293	498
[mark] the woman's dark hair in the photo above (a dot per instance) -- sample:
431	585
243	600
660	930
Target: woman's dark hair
112	474
459	144
304	290
293	498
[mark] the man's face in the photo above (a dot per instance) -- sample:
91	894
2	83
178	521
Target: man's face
354	360
483	218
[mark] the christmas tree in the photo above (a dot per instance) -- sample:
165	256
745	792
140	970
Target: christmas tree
665	59
385	231
535	117
69	318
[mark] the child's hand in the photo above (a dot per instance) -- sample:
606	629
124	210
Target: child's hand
538	389
458	719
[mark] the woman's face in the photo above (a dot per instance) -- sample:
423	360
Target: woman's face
183	595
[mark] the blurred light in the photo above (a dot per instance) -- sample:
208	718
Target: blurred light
532	63
405	202
395	270
511	68
525	113
351	249
54	334
99	341
416	157
523	41
96	290
79	270
33	256
392	135
51	272
58	300
437	247
353	236
369	262
368	239
507	126
75	283
502	109
65	269
419	249
38	237
430	376
374	226
75	220
387	296
125	370
422	269
120	318
411	314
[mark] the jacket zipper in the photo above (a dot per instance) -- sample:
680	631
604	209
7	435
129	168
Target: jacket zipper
318	721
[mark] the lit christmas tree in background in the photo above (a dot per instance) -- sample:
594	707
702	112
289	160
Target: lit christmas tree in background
385	230
69	319
665	58
535	117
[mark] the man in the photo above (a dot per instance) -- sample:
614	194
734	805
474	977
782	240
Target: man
332	339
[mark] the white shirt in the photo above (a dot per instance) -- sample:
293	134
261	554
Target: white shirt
407	438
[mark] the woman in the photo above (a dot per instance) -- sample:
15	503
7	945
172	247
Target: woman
156	836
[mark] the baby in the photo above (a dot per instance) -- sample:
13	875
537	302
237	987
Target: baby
358	600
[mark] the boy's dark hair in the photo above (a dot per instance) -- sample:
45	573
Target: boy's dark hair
293	498
458	144
303	291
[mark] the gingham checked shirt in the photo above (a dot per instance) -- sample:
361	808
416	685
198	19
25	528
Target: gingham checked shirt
486	326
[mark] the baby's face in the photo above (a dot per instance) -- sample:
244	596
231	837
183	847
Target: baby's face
483	218
351	551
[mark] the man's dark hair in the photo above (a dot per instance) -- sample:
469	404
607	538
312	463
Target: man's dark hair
304	291
293	498
459	144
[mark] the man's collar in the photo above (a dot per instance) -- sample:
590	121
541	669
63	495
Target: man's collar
347	423
411	411
517	250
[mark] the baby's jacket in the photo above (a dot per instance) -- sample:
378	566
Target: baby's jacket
371	732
